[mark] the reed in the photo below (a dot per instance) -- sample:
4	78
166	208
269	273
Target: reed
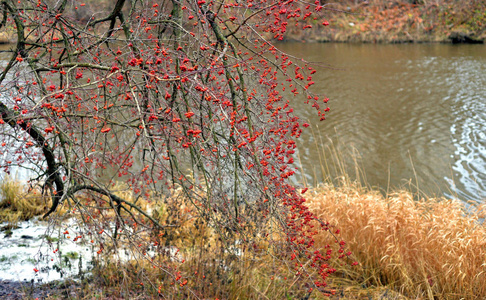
190	247
18	202
429	248
432	248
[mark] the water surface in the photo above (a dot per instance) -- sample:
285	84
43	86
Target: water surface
414	115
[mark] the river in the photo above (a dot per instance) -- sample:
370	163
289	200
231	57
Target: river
414	115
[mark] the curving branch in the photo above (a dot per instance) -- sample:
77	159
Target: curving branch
119	201
53	174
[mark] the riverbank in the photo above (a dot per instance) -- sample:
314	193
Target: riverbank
375	21
431	248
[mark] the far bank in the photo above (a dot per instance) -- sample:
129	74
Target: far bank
374	21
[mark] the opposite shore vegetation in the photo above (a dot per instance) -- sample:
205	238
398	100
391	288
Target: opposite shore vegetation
378	21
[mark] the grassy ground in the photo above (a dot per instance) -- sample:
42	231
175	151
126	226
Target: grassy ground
406	249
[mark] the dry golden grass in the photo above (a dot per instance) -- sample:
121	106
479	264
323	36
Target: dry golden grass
432	248
208	268
406	249
17	203
208	274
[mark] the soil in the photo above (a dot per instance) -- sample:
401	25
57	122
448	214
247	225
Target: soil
29	290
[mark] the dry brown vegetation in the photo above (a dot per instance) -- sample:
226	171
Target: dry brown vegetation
379	21
366	21
406	249
18	203
427	248
195	251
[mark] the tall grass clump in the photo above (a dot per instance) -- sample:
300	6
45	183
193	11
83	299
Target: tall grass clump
429	248
18	203
198	263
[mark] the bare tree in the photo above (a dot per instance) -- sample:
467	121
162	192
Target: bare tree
172	98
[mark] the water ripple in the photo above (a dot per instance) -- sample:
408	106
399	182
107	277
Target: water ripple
416	110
